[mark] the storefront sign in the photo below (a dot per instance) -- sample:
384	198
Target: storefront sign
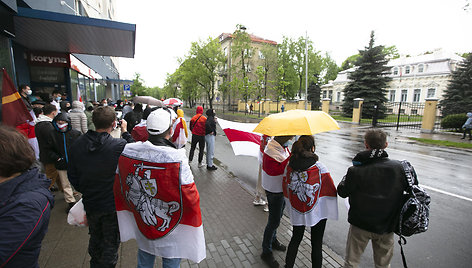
80	67
48	59
47	74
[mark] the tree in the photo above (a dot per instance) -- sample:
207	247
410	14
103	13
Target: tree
204	61
286	74
330	69
390	52
368	81
138	88
349	62
314	92
241	52
458	95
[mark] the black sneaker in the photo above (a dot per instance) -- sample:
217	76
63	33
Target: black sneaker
212	168
269	260
277	246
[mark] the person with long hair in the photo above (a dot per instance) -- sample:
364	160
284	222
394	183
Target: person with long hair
311	199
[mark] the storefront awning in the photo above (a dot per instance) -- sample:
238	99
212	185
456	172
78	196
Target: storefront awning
51	31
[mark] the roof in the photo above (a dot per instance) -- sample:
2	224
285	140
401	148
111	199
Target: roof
51	31
254	38
438	55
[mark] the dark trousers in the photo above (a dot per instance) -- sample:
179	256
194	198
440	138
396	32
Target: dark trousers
201	147
467	130
317	233
104	239
276	204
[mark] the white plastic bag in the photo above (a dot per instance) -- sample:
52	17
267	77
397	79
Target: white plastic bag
77	215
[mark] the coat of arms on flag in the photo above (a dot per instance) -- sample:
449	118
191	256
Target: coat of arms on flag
303	189
152	192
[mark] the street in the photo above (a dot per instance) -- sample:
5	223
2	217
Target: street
443	172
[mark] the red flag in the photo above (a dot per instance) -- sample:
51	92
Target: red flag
14	111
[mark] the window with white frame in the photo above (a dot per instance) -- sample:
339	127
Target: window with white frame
330	94
391	96
247	67
416	95
407	69
248	52
225	50
420	68
261	55
325	92
404	95
338	96
395	71
431	92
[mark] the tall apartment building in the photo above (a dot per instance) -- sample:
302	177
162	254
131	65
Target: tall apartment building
70	45
413	78
255	58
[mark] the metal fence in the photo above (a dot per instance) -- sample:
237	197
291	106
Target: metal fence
398	115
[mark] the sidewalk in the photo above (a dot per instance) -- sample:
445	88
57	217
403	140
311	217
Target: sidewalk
233	231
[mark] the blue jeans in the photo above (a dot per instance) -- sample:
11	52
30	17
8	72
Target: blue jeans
146	260
276	203
210	144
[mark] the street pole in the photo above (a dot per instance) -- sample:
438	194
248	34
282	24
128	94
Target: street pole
306	70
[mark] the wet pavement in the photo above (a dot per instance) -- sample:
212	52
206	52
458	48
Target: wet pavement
233	230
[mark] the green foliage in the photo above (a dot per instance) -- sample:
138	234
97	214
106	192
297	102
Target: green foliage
443	143
329	69
390	52
349	62
458	95
454	121
138	88
314	91
368	81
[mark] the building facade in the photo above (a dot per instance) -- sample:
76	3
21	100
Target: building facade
255	57
414	79
70	45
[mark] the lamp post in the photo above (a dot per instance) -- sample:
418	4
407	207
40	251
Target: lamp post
306	70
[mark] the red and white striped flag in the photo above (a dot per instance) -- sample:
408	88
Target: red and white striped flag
242	139
157	202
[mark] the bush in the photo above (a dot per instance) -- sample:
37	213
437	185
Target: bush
453	121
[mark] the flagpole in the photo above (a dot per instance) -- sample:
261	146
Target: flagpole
306	70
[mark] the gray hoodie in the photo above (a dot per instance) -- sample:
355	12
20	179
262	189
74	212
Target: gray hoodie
78	117
468	123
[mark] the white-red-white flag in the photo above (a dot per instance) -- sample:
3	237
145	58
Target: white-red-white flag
157	202
242	139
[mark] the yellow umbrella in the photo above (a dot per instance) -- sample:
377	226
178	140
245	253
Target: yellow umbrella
296	122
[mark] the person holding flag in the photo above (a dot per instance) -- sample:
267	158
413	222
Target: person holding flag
156	198
310	195
15	112
180	136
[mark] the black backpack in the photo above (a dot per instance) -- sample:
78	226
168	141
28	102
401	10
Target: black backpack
413	217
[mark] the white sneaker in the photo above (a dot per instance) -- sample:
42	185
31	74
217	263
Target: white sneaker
266	208
200	165
259	202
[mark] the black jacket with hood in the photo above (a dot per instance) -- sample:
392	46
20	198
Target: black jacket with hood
92	166
62	141
374	185
210	125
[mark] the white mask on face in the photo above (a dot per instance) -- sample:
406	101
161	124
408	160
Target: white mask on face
62	126
29	92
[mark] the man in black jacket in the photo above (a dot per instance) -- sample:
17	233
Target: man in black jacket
92	164
210	133
43	130
374	185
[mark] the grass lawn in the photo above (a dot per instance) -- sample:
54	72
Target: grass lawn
444	143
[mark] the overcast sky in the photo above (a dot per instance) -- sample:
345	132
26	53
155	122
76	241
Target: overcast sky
165	29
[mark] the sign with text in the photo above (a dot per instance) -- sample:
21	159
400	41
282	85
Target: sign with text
52	59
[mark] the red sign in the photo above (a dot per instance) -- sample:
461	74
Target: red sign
48	59
152	192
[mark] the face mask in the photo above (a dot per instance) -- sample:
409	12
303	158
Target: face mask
62	126
105	104
29	92
58	98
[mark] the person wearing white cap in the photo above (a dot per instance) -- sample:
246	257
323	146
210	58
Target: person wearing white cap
166	174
